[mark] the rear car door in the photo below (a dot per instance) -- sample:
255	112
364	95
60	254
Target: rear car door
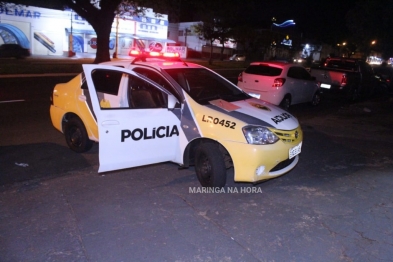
140	129
295	84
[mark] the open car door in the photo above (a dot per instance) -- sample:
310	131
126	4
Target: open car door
135	125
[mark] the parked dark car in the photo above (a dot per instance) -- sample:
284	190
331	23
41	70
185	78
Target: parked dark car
13	50
384	74
354	78
238	57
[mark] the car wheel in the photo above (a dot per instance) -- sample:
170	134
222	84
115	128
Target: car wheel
76	136
353	94
316	99
286	102
210	166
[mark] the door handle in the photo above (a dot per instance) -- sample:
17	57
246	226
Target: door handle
256	81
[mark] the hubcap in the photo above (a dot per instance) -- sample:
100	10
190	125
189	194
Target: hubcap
206	168
76	137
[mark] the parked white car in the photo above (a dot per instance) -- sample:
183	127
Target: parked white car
280	83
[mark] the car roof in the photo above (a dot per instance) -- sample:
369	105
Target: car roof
274	63
155	63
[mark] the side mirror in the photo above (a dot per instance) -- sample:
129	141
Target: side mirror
172	101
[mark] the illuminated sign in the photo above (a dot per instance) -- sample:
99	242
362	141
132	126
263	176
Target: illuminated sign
287	41
19	12
285	24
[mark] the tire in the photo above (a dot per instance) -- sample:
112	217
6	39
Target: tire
353	94
76	136
286	102
316	99
210	166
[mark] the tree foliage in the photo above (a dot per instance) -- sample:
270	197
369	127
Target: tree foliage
371	21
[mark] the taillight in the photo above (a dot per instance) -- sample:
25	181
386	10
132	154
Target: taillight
240	77
344	80
278	82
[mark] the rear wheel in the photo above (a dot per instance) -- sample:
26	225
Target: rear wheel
286	102
316	99
210	165
353	94
76	136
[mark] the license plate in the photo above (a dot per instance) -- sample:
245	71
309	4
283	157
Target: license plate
294	151
255	95
325	86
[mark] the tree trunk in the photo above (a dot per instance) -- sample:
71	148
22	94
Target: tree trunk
222	52
103	31
211	53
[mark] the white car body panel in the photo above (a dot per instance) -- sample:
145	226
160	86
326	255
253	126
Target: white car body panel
261	86
156	128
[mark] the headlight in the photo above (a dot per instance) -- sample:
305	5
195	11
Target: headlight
258	135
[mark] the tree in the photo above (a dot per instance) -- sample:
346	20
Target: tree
207	31
371	21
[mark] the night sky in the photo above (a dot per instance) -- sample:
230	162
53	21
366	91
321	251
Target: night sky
321	19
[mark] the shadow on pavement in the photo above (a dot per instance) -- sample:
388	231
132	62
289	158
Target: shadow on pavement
43	161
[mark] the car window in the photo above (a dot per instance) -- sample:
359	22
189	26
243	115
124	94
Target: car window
298	73
136	93
143	95
107	81
203	85
264	70
341	64
156	77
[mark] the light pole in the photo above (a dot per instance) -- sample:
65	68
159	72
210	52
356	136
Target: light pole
71	41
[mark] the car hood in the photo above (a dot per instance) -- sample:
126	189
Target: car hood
257	112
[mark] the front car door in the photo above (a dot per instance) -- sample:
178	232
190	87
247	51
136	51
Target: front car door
135	127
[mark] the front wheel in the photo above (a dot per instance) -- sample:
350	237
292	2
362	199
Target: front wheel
210	165
76	136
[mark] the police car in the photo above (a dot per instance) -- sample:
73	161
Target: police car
156	110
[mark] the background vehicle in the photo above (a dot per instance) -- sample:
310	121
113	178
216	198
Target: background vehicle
384	74
13	50
238	57
353	78
150	111
280	83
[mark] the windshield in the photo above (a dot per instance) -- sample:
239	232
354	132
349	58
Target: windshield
203	85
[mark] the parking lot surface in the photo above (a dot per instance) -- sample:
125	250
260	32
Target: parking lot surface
336	205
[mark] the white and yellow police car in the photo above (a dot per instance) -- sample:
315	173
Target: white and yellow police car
149	111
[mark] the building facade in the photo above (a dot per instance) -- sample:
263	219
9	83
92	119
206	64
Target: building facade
55	32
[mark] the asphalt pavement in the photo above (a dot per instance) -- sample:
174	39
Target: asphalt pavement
336	205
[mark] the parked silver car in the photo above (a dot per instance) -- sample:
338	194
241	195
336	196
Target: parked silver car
280	83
